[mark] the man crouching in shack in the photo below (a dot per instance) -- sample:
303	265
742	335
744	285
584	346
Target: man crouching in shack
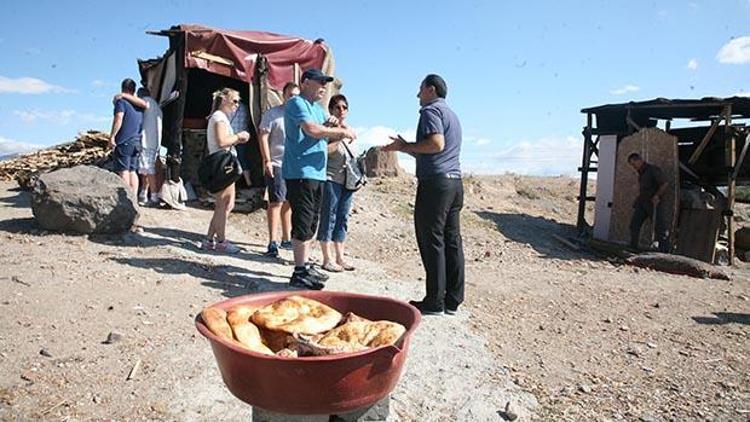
440	197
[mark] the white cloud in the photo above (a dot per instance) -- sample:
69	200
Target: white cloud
549	156
61	117
693	64
626	89
742	94
12	147
28	85
736	51
98	83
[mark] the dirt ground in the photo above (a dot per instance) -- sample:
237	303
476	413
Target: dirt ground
562	334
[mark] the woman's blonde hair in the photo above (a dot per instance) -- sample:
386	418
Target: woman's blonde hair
222	94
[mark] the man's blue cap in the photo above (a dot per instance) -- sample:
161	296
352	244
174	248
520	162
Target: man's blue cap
317	75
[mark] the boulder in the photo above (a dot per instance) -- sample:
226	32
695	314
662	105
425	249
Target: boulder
83	199
382	164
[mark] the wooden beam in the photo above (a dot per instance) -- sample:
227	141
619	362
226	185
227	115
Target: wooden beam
632	122
704	142
585	164
731	182
685	168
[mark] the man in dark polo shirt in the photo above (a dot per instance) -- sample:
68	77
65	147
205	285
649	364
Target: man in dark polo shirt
440	197
651	187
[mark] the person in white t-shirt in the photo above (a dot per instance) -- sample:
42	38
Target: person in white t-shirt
151	141
219	136
271	143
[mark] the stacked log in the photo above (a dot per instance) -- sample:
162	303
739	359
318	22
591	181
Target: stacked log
89	148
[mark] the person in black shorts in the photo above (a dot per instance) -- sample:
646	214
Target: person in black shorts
304	169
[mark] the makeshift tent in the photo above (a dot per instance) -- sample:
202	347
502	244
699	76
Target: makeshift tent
711	132
201	60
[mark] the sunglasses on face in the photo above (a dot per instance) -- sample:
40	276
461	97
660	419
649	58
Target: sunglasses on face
341	107
236	102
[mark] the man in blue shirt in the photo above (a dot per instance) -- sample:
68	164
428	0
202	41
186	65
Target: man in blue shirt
307	133
440	197
125	137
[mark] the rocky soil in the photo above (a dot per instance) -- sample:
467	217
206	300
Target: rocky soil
562	334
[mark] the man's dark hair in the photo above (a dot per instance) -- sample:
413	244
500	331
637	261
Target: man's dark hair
435	81
143	92
634	157
128	86
288	86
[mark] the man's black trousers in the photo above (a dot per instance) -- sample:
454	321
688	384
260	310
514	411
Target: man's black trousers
437	223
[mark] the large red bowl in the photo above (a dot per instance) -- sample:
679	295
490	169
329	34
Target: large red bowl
322	385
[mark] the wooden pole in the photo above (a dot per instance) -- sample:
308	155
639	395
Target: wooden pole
585	163
731	182
704	142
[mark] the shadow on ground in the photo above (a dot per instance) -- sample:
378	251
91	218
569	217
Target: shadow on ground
534	231
231	280
189	241
22	226
20	200
722	318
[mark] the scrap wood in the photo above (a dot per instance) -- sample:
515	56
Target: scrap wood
134	370
91	147
55	406
566	242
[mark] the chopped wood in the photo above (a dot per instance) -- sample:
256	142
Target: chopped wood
89	148
134	370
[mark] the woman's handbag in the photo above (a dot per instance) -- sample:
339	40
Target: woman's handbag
219	170
354	170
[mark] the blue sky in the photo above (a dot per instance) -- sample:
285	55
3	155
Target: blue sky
518	72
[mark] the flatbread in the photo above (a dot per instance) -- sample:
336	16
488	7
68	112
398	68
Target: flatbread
358	333
297	315
355	334
216	321
246	333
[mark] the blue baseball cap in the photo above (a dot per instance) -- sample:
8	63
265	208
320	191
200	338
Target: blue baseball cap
317	75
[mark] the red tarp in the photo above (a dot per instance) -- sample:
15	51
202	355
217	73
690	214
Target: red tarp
242	49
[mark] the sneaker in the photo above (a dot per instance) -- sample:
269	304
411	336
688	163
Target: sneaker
142	199
316	274
208	245
304	280
226	247
451	311
273	250
286	244
424	309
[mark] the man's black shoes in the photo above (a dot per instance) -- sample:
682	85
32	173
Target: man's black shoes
425	309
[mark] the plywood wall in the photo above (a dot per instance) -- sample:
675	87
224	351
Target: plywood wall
656	147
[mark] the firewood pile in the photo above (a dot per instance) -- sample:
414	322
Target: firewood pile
89	148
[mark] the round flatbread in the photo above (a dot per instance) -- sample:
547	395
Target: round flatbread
297	315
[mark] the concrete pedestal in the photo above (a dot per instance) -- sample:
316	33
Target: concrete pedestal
377	412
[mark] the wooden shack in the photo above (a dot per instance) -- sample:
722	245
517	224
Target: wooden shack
700	144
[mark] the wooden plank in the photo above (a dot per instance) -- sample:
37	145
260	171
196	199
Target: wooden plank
731	182
699	150
697	233
585	164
